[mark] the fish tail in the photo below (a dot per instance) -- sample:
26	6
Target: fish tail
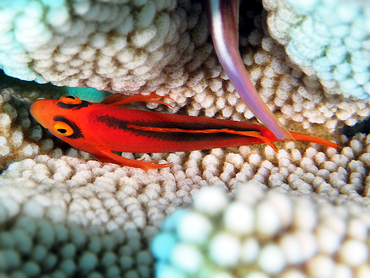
312	139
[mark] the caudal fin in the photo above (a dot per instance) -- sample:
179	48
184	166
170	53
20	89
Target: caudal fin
308	138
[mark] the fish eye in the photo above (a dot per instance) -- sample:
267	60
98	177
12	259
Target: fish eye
69	99
63	129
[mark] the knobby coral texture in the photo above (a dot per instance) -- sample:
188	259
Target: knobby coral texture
259	234
63	213
329	39
108	45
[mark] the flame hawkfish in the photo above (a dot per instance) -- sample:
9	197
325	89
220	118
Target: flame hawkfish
100	128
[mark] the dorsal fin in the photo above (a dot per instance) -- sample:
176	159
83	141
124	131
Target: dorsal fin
118	99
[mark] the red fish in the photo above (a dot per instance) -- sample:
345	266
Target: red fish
100	128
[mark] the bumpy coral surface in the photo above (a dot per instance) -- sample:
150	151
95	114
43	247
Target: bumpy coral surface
13	143
69	218
107	45
142	46
329	39
263	234
73	209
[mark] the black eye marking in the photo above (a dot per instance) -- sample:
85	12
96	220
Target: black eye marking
76	130
70	96
73	106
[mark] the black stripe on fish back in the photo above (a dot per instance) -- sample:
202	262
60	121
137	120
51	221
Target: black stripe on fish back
176	136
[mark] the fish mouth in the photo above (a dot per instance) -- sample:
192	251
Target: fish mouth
37	113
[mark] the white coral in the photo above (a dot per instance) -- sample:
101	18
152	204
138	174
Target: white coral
311	238
60	206
328	39
107	45
105	198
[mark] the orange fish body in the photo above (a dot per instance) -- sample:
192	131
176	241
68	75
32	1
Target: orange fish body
100	128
